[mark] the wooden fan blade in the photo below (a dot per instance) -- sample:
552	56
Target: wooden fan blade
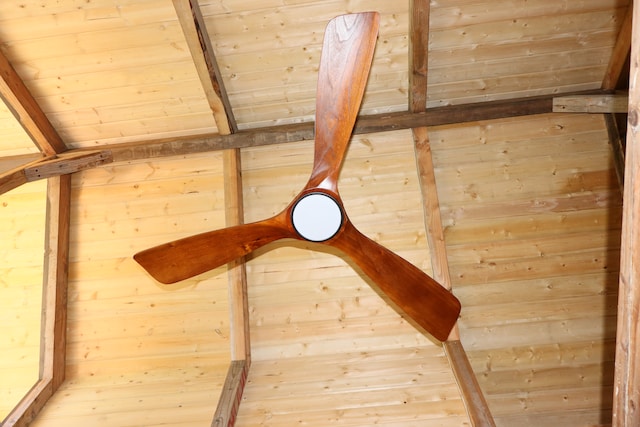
188	257
347	52
423	299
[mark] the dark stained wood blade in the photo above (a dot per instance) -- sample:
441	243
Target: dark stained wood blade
419	296
188	257
347	52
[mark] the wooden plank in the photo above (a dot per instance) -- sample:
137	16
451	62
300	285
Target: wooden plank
626	400
238	299
618	145
56	278
305	131
617	103
227	410
620	53
473	398
27	111
199	42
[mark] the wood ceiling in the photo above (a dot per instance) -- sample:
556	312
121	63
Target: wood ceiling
94	81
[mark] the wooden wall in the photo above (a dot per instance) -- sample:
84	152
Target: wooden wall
22	224
531	210
140	353
532	215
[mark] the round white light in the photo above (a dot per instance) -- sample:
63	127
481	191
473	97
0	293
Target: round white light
317	217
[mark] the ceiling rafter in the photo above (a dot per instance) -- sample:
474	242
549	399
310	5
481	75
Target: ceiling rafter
626	387
26	110
472	395
199	42
621	49
618	63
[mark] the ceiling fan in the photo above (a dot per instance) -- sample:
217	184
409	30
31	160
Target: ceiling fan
317	213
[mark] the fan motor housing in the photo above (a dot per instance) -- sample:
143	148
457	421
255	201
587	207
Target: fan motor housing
317	216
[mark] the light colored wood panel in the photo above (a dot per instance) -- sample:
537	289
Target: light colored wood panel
526	128
534	205
544	356
522	85
96	41
528	268
519	49
595	284
34	21
545	223
538	333
136	130
345	390
550	245
507	66
138	403
458	13
522	311
521	28
592	417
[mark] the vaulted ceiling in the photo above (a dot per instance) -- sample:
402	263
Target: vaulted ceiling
86	82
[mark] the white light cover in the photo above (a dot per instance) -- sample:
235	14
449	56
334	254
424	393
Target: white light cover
317	217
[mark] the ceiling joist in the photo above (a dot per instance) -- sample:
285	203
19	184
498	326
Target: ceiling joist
199	42
27	111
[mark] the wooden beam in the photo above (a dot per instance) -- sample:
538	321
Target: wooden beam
626	399
56	278
48	167
238	300
67	163
418	55
609	103
473	398
227	410
305	131
199	42
27	111
54	314
620	53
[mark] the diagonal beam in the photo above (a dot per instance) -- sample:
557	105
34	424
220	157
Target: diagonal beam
620	53
27	111
626	396
199	42
472	395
